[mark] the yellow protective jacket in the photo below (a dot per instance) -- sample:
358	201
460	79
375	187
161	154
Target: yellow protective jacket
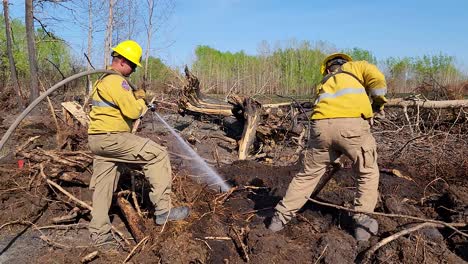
114	105
346	93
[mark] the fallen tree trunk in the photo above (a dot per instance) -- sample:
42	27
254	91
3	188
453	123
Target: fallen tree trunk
400	102
427	104
209	111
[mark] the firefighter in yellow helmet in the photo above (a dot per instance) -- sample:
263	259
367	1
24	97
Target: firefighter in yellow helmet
345	100
115	107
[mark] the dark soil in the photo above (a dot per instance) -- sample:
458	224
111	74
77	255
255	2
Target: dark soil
232	228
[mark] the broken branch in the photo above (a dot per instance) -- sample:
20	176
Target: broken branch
448	225
389	239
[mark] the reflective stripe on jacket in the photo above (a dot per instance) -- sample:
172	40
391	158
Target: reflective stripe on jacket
342	95
114	106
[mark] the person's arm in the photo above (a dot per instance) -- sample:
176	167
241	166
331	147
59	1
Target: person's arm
315	94
123	97
375	84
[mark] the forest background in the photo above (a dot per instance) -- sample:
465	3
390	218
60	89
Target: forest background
285	68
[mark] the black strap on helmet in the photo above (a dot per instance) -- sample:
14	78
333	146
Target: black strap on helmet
336	61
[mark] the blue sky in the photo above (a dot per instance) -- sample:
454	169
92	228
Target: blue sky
386	28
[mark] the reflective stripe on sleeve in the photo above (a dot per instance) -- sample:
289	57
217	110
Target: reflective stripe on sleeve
103	104
378	91
340	93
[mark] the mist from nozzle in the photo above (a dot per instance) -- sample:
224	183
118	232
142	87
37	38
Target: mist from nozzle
201	171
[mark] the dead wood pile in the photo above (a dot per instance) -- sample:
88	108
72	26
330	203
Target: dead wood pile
66	166
263	127
72	168
269	125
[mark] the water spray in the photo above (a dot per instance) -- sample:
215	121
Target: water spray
208	174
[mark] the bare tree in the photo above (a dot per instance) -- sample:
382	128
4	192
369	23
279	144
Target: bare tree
149	33
29	10
126	20
90	47
109	31
14	75
158	13
90	32
132	12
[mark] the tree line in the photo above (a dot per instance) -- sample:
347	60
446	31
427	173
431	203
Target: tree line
295	69
34	57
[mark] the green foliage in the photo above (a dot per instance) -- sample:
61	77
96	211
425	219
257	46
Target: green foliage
158	72
299	66
419	68
49	49
361	54
433	65
290	70
426	65
294	70
426	74
398	66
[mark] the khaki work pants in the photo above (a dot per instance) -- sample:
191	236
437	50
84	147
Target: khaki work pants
113	149
329	139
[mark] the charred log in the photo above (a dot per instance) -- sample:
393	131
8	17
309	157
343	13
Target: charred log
134	221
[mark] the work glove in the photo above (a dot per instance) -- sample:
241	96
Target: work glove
139	94
377	107
379	115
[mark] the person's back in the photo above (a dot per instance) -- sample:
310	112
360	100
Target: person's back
344	92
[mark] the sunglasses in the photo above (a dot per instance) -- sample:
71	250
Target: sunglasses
132	65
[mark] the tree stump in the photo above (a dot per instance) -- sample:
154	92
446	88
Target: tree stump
252	110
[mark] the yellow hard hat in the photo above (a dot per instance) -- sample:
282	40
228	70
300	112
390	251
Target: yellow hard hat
330	57
130	50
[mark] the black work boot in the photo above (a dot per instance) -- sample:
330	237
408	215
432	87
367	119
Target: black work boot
174	214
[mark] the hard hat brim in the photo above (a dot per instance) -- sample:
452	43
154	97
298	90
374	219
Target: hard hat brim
122	53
